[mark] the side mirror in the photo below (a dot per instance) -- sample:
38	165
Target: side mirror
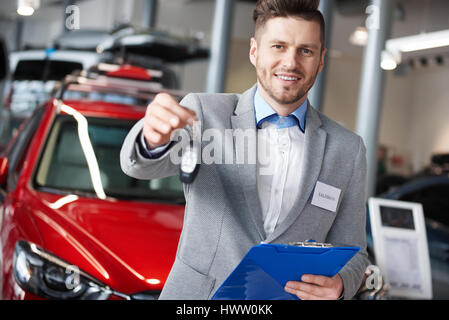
4	164
4	65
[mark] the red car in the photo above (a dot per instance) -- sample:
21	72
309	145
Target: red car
73	225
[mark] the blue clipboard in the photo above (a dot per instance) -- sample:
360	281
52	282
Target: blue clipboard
266	268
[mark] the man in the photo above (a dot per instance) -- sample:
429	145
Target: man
232	207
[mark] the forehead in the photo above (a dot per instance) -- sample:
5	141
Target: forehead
291	29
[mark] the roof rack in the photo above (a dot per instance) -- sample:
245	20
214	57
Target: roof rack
95	80
154	43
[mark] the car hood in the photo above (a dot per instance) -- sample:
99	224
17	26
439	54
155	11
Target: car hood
128	245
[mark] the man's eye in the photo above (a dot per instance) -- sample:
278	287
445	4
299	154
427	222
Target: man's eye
306	52
278	46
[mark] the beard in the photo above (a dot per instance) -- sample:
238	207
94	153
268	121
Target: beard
293	95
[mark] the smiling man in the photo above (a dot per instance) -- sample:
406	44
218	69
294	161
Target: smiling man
315	189
288	54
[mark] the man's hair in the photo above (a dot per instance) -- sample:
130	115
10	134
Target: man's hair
304	9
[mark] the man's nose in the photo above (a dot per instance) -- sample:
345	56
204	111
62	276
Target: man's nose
290	60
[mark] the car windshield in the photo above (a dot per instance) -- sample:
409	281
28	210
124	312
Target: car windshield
82	156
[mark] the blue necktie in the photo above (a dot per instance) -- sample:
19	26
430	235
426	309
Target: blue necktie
280	121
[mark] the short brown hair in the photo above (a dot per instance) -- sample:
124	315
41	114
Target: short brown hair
304	9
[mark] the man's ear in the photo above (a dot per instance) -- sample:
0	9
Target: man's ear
323	54
253	51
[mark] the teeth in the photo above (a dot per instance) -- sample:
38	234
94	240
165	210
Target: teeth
287	78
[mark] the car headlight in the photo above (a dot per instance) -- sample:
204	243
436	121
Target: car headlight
43	274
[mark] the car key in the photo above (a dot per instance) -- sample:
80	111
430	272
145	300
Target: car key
190	166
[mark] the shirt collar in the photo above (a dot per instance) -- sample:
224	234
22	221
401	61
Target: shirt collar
263	110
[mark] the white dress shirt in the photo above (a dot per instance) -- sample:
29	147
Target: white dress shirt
279	173
280	146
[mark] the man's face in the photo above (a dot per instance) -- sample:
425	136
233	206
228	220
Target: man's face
287	56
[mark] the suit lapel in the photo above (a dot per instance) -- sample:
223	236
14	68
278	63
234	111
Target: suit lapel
314	145
244	119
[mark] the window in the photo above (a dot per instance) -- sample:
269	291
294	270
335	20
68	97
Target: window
45	70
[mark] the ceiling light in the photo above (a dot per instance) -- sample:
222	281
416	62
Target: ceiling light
25	11
424	41
424	61
359	37
419	42
388	61
27	7
439	60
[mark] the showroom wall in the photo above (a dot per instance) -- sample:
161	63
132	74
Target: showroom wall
415	120
415	115
429	124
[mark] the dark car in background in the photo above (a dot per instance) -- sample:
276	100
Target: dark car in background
36	74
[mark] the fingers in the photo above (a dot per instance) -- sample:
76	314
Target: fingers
317	280
153	138
303	295
159	125
307	291
164	115
315	287
174	110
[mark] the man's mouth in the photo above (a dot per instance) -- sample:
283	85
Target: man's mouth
287	77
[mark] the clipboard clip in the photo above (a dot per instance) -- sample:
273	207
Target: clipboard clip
310	243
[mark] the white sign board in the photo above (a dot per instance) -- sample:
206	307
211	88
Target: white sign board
400	247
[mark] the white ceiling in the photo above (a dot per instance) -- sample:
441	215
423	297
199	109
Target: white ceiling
420	16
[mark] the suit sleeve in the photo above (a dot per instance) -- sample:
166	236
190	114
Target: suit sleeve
134	164
350	225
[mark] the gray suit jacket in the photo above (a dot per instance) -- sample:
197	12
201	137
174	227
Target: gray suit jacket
223	217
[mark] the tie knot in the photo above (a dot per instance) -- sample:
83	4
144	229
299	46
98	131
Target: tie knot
281	122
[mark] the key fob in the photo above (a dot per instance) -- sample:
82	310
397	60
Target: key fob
189	166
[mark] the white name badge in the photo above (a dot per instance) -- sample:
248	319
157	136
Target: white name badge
326	196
